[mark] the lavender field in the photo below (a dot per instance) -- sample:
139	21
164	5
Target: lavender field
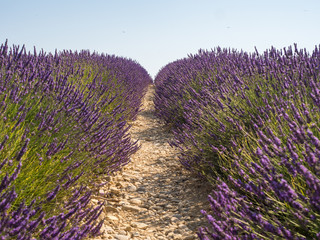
63	120
249	124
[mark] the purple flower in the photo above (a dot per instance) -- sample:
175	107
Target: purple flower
3	142
23	150
53	194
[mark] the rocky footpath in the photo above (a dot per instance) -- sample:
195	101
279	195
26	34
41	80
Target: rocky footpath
153	197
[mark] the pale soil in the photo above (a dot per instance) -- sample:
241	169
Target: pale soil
152	197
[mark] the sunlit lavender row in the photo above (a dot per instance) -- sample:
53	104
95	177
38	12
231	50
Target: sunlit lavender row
63	120
249	124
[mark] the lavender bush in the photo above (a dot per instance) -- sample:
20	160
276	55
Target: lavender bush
249	123
63	119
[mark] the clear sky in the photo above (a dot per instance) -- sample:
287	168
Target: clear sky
156	32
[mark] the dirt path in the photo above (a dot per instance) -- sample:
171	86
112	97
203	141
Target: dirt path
153	197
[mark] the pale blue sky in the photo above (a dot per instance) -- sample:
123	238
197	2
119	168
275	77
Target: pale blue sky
156	32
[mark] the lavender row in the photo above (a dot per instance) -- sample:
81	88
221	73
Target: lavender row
249	123
63	120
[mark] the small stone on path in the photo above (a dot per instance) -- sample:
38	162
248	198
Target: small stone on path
112	218
121	237
135	201
139	225
131	208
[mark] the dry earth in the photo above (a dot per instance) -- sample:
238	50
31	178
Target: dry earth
153	197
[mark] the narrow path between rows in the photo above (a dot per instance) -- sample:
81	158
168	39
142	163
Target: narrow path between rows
153	197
